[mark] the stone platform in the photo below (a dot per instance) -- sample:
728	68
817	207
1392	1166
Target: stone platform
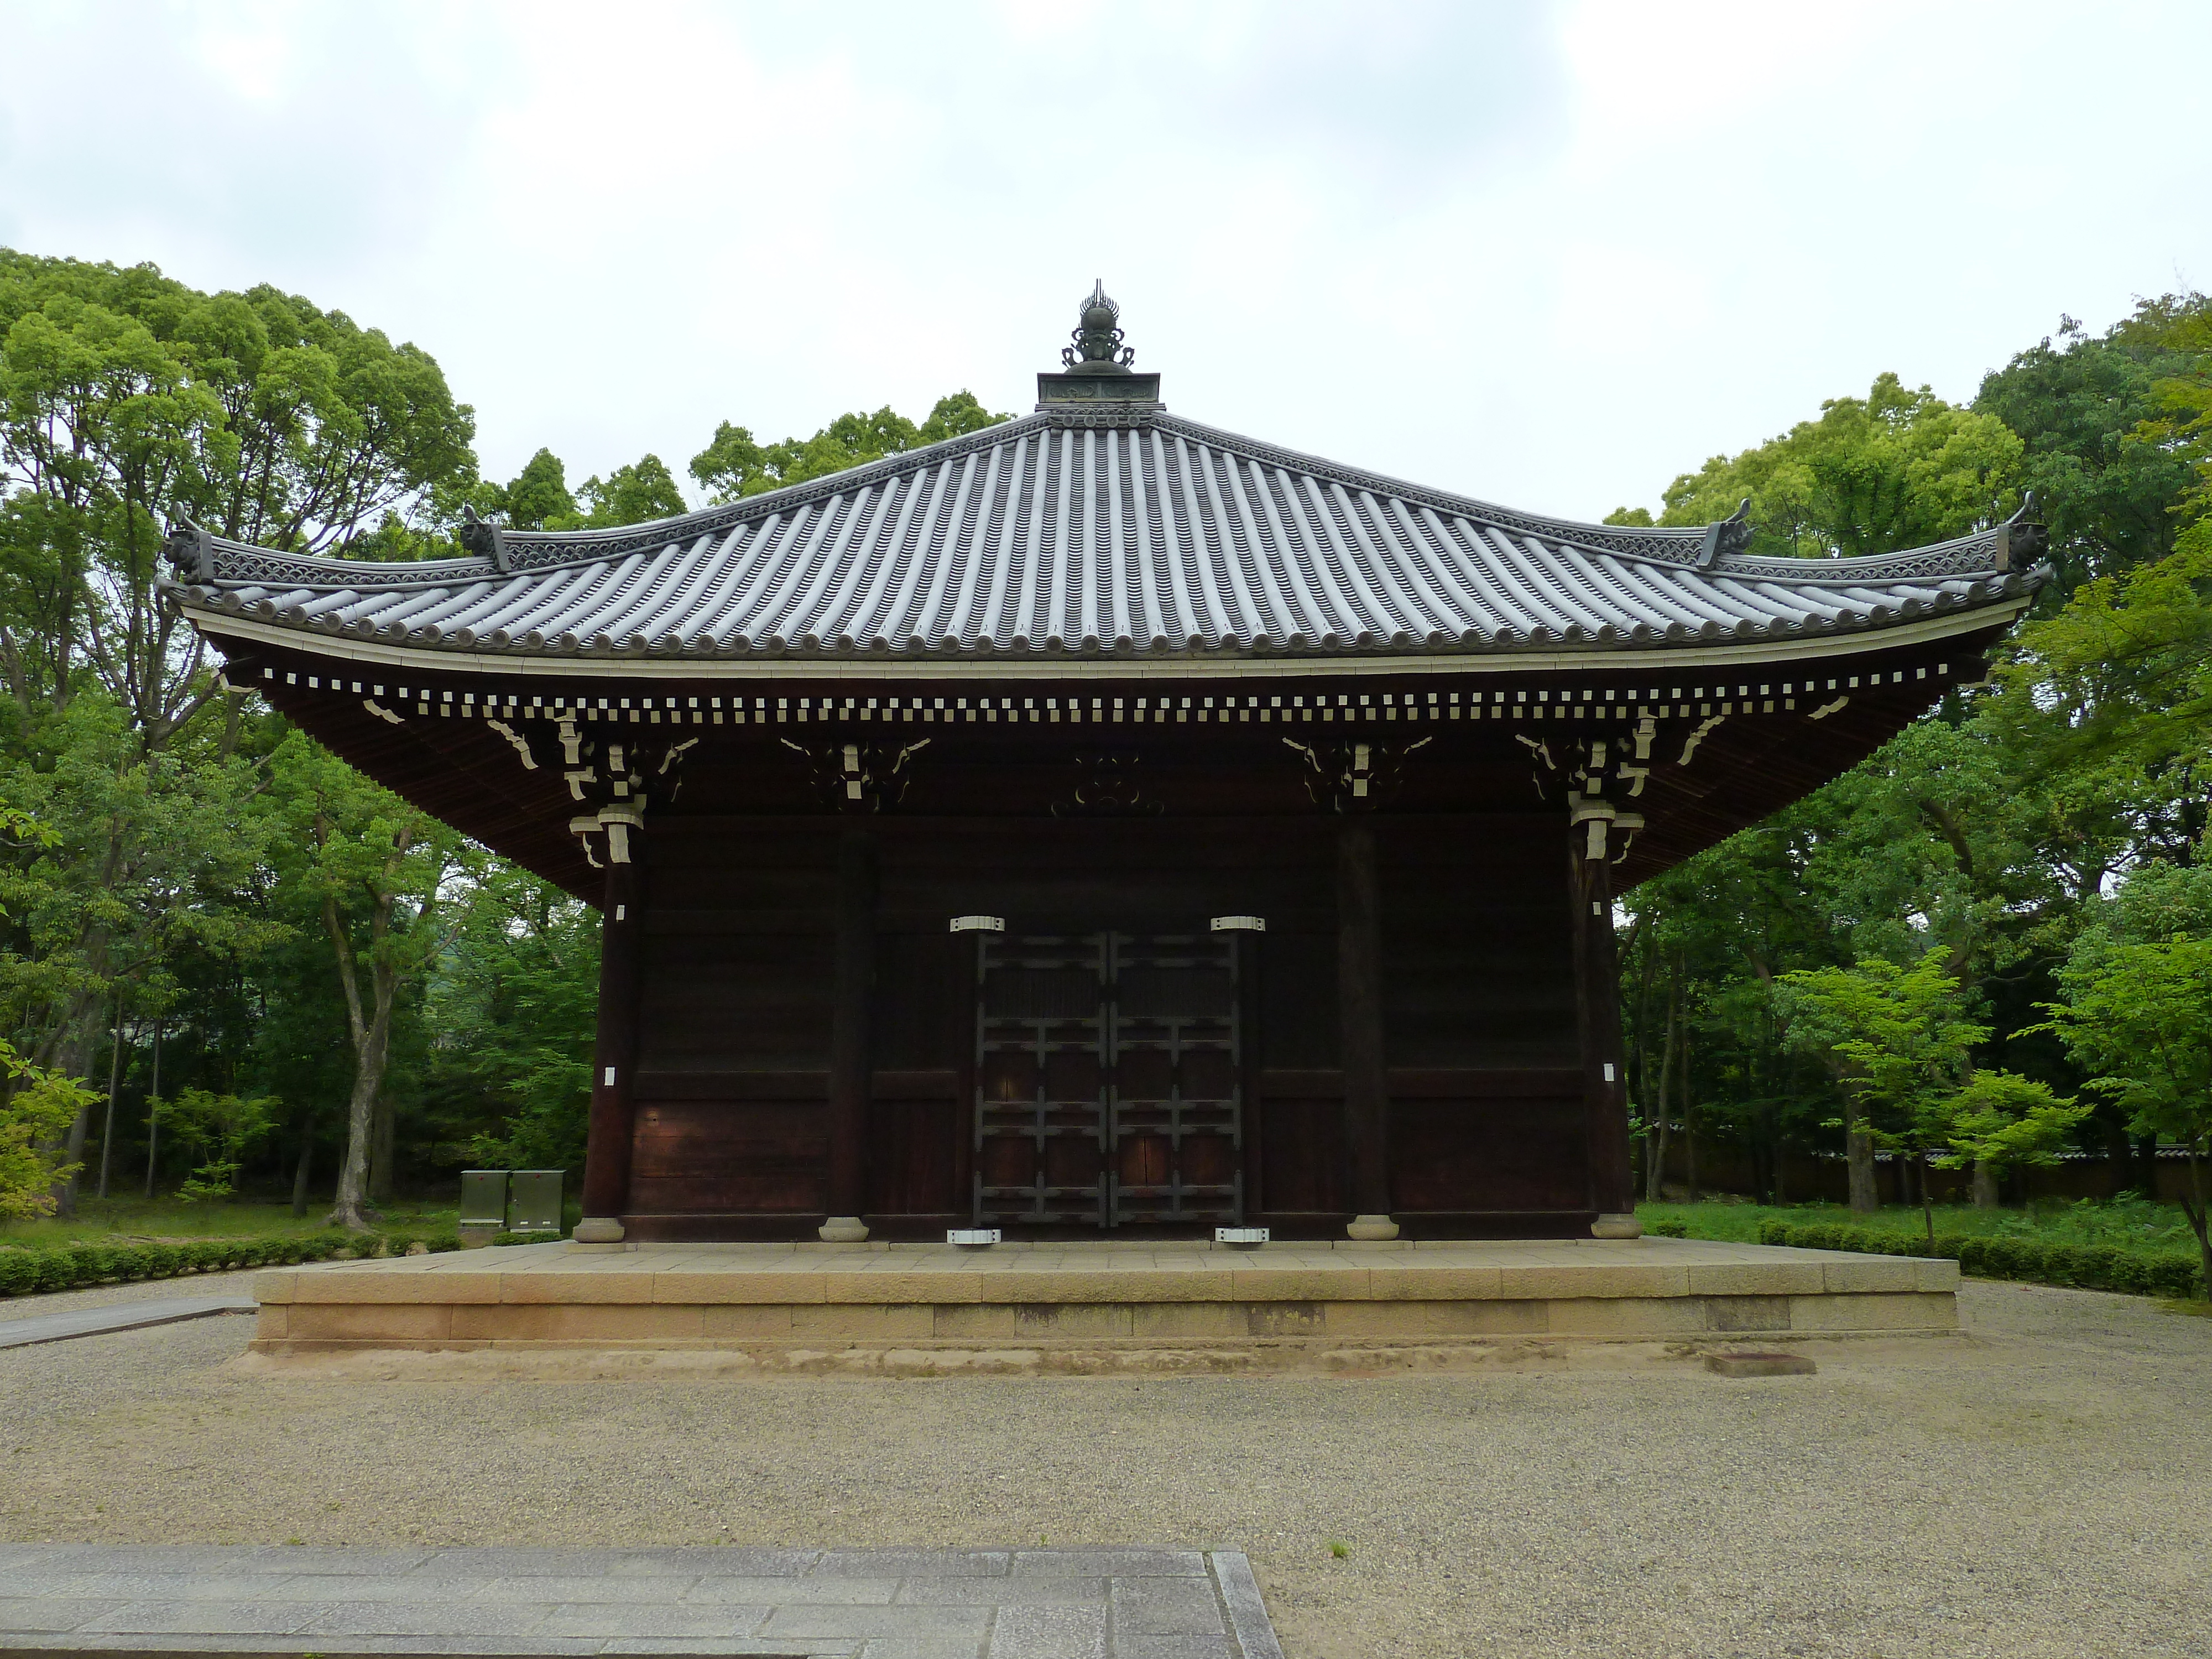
923	1300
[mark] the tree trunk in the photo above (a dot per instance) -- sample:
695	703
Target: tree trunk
371	1031
1985	1184
2193	1207
2118	1154
351	1208
1926	1197
71	1063
154	1112
1689	1123
1858	1158
114	1083
382	1133
2147	1166
300	1171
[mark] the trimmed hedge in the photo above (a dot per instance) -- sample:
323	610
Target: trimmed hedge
1668	1230
2081	1266
72	1267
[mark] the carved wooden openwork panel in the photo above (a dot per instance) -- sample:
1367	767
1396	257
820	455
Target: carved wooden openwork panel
1107	1081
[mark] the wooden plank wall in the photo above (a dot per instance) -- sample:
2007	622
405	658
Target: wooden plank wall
738	965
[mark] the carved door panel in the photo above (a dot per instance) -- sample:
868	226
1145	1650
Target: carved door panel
1175	1105
1041	1024
1109	1084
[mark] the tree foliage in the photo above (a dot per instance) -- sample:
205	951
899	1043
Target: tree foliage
735	465
2107	491
2139	1017
2016	826
36	1109
221	1131
642	490
2002	1120
1896	468
127	400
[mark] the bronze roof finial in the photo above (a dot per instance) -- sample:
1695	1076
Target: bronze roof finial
1098	348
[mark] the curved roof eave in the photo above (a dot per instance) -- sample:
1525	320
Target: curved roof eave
888	668
1231	548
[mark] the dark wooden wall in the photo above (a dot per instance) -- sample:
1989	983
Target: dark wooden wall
737	964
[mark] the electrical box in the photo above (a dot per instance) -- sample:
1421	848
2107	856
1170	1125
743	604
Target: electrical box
483	1198
533	1201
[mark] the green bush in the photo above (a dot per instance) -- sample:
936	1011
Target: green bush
68	1266
2083	1266
1669	1229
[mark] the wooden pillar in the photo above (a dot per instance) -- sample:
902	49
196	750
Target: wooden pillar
614	1055
1359	1007
1597	1017
850	1071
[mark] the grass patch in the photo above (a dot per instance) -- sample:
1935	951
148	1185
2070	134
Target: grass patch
2129	1224
117	1220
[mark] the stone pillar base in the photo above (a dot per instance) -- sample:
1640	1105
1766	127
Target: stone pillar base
1616	1226
1372	1229
844	1230
598	1230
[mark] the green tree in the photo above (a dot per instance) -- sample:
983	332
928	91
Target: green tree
643	490
37	1107
735	466
221	1130
2139	1018
2002	1120
2124	669
538	498
1894	468
2106	494
1897	1040
127	400
152	856
511	1008
1991	829
2181	325
372	872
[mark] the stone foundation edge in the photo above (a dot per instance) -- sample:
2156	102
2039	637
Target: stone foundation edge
303	1327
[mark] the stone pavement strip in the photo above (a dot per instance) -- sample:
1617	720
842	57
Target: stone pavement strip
546	1603
116	1316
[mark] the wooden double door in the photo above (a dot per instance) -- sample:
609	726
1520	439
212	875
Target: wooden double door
1109	1081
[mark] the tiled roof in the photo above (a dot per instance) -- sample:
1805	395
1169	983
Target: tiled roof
1094	533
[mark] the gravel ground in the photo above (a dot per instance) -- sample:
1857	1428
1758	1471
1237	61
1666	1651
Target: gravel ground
2034	1489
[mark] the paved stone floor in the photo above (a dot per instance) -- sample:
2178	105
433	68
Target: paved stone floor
547	1603
116	1316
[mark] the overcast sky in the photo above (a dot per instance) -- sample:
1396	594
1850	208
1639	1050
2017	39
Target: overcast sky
1547	256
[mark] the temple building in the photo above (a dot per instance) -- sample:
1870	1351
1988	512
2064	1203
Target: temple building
1102	823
